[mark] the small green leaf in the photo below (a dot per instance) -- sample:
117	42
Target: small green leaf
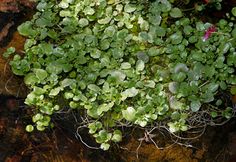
140	65
67	82
105	44
207	97
73	105
172	127
31	99
105	20
104	108
188	30
176	13
183	128
9	51
68	95
103	136
173	87
223	85
41	74
149	83
180	67
144	36
131	92
37	117
129	113
41	6
105	146
212	87
227	113
143	56
214	114
129	8
63	4
39	91
55	91
88	10
142	123
234	32
63	13
144	25
154	51
233	11
93	127
219	102
29	128
96	53
195	105
179	77
233	90
176	38
94	88
110	31
175	115
31	79
117	53
125	65
26	29
40	127
83	22
118	75
161	32
117	136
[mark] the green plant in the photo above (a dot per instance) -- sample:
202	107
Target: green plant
124	62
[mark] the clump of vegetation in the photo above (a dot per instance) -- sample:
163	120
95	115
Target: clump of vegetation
123	63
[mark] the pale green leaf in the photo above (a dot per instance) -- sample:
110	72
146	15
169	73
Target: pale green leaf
41	74
176	13
55	91
117	136
125	65
131	92
105	146
30	79
195	105
105	20
94	88
140	65
129	113
83	22
129	8
104	108
233	11
29	128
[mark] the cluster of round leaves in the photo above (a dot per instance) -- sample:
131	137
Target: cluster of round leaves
122	62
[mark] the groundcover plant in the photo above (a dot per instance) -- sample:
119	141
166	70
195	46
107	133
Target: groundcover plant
124	63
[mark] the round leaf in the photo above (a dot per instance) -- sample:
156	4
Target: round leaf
129	113
233	11
195	105
176	13
29	128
